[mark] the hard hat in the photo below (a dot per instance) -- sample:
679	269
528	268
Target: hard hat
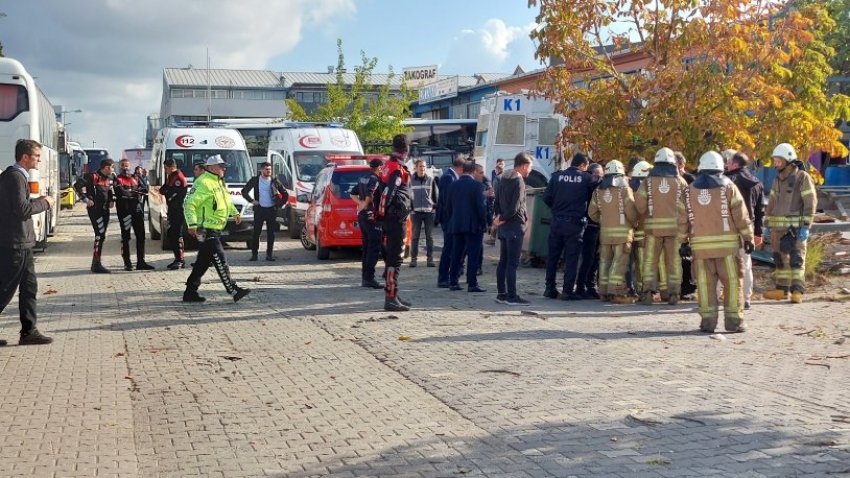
785	151
665	155
710	161
641	169
614	167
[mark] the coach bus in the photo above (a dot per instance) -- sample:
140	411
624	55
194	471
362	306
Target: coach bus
457	135
26	113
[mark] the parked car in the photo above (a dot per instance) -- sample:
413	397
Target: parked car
331	218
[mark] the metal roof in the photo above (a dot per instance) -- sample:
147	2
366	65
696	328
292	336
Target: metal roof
222	78
197	77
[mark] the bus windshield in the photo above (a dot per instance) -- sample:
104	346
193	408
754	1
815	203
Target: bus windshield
94	158
239	168
310	163
13	101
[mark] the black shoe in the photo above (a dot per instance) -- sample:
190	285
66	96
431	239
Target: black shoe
193	297
501	298
404	302
454	287
413	263
176	265
371	284
591	294
270	258
394	305
550	293
430	263
144	266
34	338
443	285
239	293
518	301
475	289
253	258
572	296
128	266
99	269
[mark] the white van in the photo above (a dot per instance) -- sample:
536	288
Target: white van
509	124
188	146
298	154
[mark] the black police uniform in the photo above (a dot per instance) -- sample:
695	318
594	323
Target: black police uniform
98	188
567	194
129	203
174	191
371	234
393	209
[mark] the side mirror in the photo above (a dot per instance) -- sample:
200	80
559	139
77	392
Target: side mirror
302	198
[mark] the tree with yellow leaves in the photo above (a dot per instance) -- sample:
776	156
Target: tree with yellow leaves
743	74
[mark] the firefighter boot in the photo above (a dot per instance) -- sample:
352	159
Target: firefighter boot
97	267
673	299
777	294
647	298
796	297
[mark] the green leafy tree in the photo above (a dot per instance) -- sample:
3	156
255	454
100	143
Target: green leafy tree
375	116
839	38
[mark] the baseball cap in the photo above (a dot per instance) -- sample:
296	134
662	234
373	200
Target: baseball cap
215	160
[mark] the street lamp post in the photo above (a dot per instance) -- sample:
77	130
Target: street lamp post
64	112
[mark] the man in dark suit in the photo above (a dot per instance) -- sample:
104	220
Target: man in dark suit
442	219
17	238
467	211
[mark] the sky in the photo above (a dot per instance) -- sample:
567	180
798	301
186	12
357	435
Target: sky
106	57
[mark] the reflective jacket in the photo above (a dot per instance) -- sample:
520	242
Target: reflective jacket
208	204
714	218
613	207
657	203
793	200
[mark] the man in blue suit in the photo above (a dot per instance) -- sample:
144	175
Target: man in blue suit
442	219
467	211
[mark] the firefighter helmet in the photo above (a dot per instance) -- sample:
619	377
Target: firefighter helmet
785	151
641	169
665	155
614	167
710	161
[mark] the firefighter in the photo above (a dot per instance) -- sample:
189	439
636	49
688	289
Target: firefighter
394	207
612	205
657	203
713	225
788	217
639	173
98	190
174	191
130	196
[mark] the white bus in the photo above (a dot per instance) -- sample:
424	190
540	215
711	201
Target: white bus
26	113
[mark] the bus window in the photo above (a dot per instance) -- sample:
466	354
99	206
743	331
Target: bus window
13	101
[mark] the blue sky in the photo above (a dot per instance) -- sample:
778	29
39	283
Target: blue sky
106	56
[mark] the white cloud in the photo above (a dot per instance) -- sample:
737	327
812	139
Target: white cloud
493	47
106	56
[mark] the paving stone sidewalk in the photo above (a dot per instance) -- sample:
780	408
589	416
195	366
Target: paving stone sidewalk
308	377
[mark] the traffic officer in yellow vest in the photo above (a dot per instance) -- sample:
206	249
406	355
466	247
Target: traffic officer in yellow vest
657	202
206	209
613	207
788	217
713	223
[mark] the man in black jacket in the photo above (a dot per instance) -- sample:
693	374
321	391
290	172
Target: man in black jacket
511	218
752	191
98	190
267	195
17	238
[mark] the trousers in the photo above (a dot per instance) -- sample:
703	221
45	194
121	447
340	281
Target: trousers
175	231
17	274
790	272
99	222
132	221
727	272
658	247
422	220
371	238
613	262
565	239
210	252
267	216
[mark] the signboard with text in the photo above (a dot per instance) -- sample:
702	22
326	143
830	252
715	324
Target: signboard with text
417	76
438	90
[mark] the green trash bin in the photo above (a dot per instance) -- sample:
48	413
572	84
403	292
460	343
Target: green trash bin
535	244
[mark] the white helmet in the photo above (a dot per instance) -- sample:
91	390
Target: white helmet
785	151
614	167
641	169
710	161
665	155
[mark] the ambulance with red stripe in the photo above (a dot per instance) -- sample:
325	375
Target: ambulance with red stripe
298	153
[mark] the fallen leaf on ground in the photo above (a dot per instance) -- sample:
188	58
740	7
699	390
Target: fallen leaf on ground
232	358
404	337
119	354
50	291
308	342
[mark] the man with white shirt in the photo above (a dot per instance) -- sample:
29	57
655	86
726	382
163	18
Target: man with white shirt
267	195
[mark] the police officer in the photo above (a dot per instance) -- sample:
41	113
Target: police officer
98	189
174	191
392	211
206	209
129	201
712	226
567	194
789	214
371	234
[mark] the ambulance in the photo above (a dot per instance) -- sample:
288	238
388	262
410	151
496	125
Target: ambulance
191	145
298	153
509	124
